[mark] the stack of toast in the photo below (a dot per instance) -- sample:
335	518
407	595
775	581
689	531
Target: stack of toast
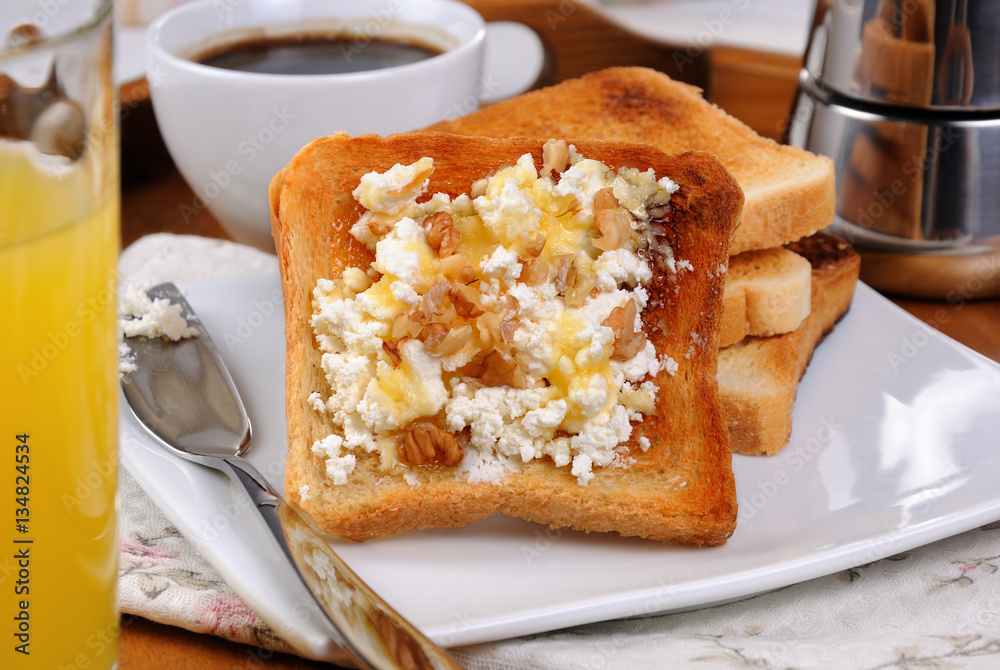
787	283
741	337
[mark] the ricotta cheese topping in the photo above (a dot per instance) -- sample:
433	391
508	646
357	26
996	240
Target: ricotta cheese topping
141	316
495	327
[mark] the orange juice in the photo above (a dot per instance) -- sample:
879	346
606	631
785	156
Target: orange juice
58	414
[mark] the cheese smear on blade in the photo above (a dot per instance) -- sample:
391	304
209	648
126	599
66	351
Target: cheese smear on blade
507	322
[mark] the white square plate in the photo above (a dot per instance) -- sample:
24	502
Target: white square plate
894	445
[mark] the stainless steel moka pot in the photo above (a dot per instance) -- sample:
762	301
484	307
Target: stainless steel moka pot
904	96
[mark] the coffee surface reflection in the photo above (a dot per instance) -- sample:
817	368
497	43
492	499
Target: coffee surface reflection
310	55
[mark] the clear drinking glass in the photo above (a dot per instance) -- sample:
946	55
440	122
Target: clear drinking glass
59	239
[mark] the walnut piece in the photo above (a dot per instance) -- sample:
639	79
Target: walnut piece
576	286
442	236
379	228
427	443
450	342
605	199
407	325
533	245
628	341
457	266
391	350
534	272
614	227
555	157
495	369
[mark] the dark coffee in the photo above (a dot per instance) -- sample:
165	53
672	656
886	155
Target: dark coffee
312	54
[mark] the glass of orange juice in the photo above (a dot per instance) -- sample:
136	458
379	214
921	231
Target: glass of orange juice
59	243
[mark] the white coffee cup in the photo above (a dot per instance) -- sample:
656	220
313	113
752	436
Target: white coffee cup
229	132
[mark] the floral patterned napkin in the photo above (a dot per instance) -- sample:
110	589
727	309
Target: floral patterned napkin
934	607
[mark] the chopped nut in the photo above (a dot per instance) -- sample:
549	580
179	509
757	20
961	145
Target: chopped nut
442	236
605	199
555	157
457	266
427	443
628	342
533	272
454	340
614	227
533	247
391	350
507	325
434	298
467	300
407	325
433	334
576	287
500	370
414	185
562	272
379	228
488	329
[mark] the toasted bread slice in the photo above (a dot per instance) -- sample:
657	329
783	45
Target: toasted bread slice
789	191
681	488
767	293
759	377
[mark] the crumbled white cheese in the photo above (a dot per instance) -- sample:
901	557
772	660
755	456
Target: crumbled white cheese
144	317
392	190
502	265
620	266
140	316
400	252
510	213
570	406
583	179
338	465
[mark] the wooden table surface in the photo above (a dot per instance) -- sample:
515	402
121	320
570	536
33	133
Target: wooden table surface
755	87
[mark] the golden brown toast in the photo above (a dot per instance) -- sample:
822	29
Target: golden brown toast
789	192
767	293
759	377
680	489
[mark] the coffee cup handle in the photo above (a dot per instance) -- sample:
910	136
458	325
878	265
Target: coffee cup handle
513	59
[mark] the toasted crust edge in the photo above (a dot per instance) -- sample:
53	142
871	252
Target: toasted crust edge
642	105
630	501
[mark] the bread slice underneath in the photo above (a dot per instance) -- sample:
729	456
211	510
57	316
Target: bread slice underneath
789	191
681	488
759	376
767	293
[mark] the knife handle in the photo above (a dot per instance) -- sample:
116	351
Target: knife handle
373	633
